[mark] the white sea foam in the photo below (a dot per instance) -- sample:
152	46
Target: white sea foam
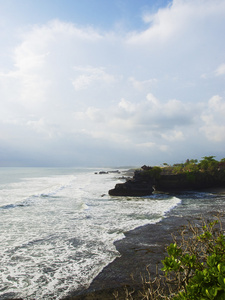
57	230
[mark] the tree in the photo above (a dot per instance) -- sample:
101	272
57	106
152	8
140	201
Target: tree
208	163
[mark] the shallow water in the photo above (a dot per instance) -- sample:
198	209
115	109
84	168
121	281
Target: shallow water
57	228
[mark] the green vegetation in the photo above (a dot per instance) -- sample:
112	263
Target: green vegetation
197	266
194	267
153	172
207	164
191	175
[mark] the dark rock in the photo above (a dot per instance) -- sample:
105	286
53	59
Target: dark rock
141	250
125	178
108	172
188	181
145	179
146	168
140	185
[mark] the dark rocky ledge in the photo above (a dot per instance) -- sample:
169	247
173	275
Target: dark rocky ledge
141	247
150	179
139	185
141	251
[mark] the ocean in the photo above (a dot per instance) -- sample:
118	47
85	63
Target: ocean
58	226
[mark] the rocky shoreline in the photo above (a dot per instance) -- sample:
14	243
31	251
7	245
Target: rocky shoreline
141	247
149	179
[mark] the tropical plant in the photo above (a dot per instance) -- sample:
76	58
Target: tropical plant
197	265
194	267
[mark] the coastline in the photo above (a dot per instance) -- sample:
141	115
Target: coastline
144	246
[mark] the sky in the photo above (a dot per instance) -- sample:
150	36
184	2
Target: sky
111	83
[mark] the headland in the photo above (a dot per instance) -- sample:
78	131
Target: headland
191	175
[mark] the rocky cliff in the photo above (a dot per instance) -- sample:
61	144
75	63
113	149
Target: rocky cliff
140	185
148	179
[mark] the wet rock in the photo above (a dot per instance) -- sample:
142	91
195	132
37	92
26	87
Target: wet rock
140	185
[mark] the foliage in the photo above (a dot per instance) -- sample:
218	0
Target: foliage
207	164
197	265
178	168
194	267
154	172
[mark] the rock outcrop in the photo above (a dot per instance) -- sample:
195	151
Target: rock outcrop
144	180
139	185
190	181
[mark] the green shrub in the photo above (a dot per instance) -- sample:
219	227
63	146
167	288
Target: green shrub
194	267
154	172
197	267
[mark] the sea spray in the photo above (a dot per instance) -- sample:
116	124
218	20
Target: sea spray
57	229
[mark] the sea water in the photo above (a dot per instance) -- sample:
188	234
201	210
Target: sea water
58	226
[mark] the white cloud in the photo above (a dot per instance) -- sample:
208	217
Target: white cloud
175	135
144	84
141	120
43	128
76	86
165	24
127	106
152	100
164	148
177	19
146	145
95	114
214	133
217	104
45	55
213	118
91	75
220	70
171	121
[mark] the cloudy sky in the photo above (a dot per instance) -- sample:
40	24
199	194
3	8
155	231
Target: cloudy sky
111	83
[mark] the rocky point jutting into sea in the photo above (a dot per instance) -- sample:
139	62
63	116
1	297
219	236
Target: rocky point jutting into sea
88	243
143	248
181	177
